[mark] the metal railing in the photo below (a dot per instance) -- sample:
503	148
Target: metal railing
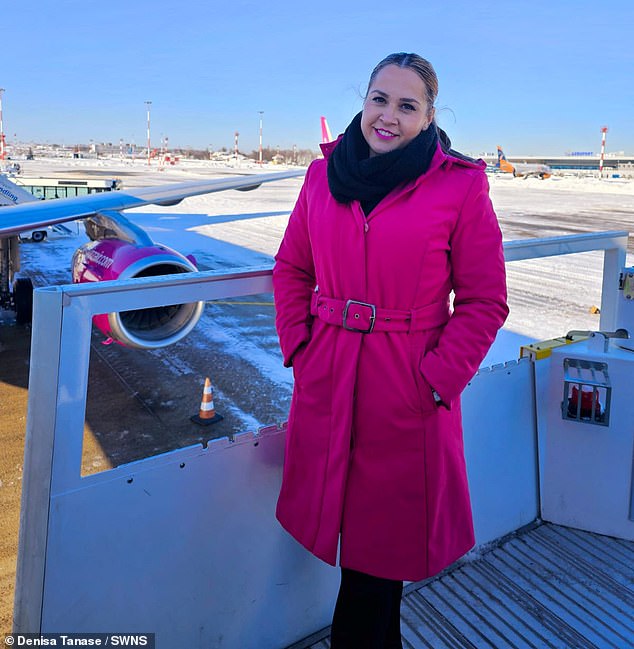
614	245
61	336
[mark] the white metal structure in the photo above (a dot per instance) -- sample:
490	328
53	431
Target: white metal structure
588	459
185	544
66	187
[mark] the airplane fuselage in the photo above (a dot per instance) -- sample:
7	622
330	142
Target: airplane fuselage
522	170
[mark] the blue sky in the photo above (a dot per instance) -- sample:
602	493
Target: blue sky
537	77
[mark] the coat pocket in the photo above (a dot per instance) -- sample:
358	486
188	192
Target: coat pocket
298	359
420	344
426	398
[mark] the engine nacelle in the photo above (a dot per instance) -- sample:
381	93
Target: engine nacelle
112	259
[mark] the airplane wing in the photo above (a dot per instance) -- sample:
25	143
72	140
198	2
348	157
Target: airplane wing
12	194
17	218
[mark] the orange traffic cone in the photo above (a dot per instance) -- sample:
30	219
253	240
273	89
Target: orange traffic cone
207	414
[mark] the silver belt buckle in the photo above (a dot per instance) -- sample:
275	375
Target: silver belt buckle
372	307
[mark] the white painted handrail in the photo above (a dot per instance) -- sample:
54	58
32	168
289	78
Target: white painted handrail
614	245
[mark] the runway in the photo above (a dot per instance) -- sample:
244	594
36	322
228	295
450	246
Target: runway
140	403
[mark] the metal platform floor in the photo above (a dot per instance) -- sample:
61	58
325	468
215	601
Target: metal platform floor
544	587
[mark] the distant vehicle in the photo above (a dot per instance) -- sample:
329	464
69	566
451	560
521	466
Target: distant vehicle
66	187
522	170
47	188
12	169
40	234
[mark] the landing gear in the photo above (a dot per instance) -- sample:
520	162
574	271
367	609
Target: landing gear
38	235
23	300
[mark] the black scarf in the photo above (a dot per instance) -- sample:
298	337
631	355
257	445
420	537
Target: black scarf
354	175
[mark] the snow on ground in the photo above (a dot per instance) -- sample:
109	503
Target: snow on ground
551	296
232	229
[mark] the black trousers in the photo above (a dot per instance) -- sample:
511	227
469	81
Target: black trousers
368	613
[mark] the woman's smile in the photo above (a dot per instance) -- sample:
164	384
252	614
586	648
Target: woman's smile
385	135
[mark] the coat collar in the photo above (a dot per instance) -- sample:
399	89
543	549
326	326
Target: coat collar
441	157
328	147
452	157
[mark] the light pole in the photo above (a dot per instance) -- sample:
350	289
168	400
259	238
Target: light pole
604	130
148	104
2	151
260	156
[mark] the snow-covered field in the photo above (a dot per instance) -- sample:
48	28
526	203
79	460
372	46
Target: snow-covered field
232	229
553	295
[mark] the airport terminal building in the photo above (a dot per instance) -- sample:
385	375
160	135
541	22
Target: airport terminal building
613	164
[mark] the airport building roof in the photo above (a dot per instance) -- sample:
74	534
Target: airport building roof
568	161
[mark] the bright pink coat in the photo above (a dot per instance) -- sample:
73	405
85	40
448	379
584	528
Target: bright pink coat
371	460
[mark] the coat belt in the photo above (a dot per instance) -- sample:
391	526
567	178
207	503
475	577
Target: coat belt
363	317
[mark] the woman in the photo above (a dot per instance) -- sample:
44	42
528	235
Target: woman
385	227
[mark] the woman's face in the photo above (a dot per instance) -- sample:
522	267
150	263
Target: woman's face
395	110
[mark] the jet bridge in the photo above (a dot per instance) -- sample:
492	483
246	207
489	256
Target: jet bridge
186	544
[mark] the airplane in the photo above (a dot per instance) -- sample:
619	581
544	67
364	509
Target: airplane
522	170
118	249
325	131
